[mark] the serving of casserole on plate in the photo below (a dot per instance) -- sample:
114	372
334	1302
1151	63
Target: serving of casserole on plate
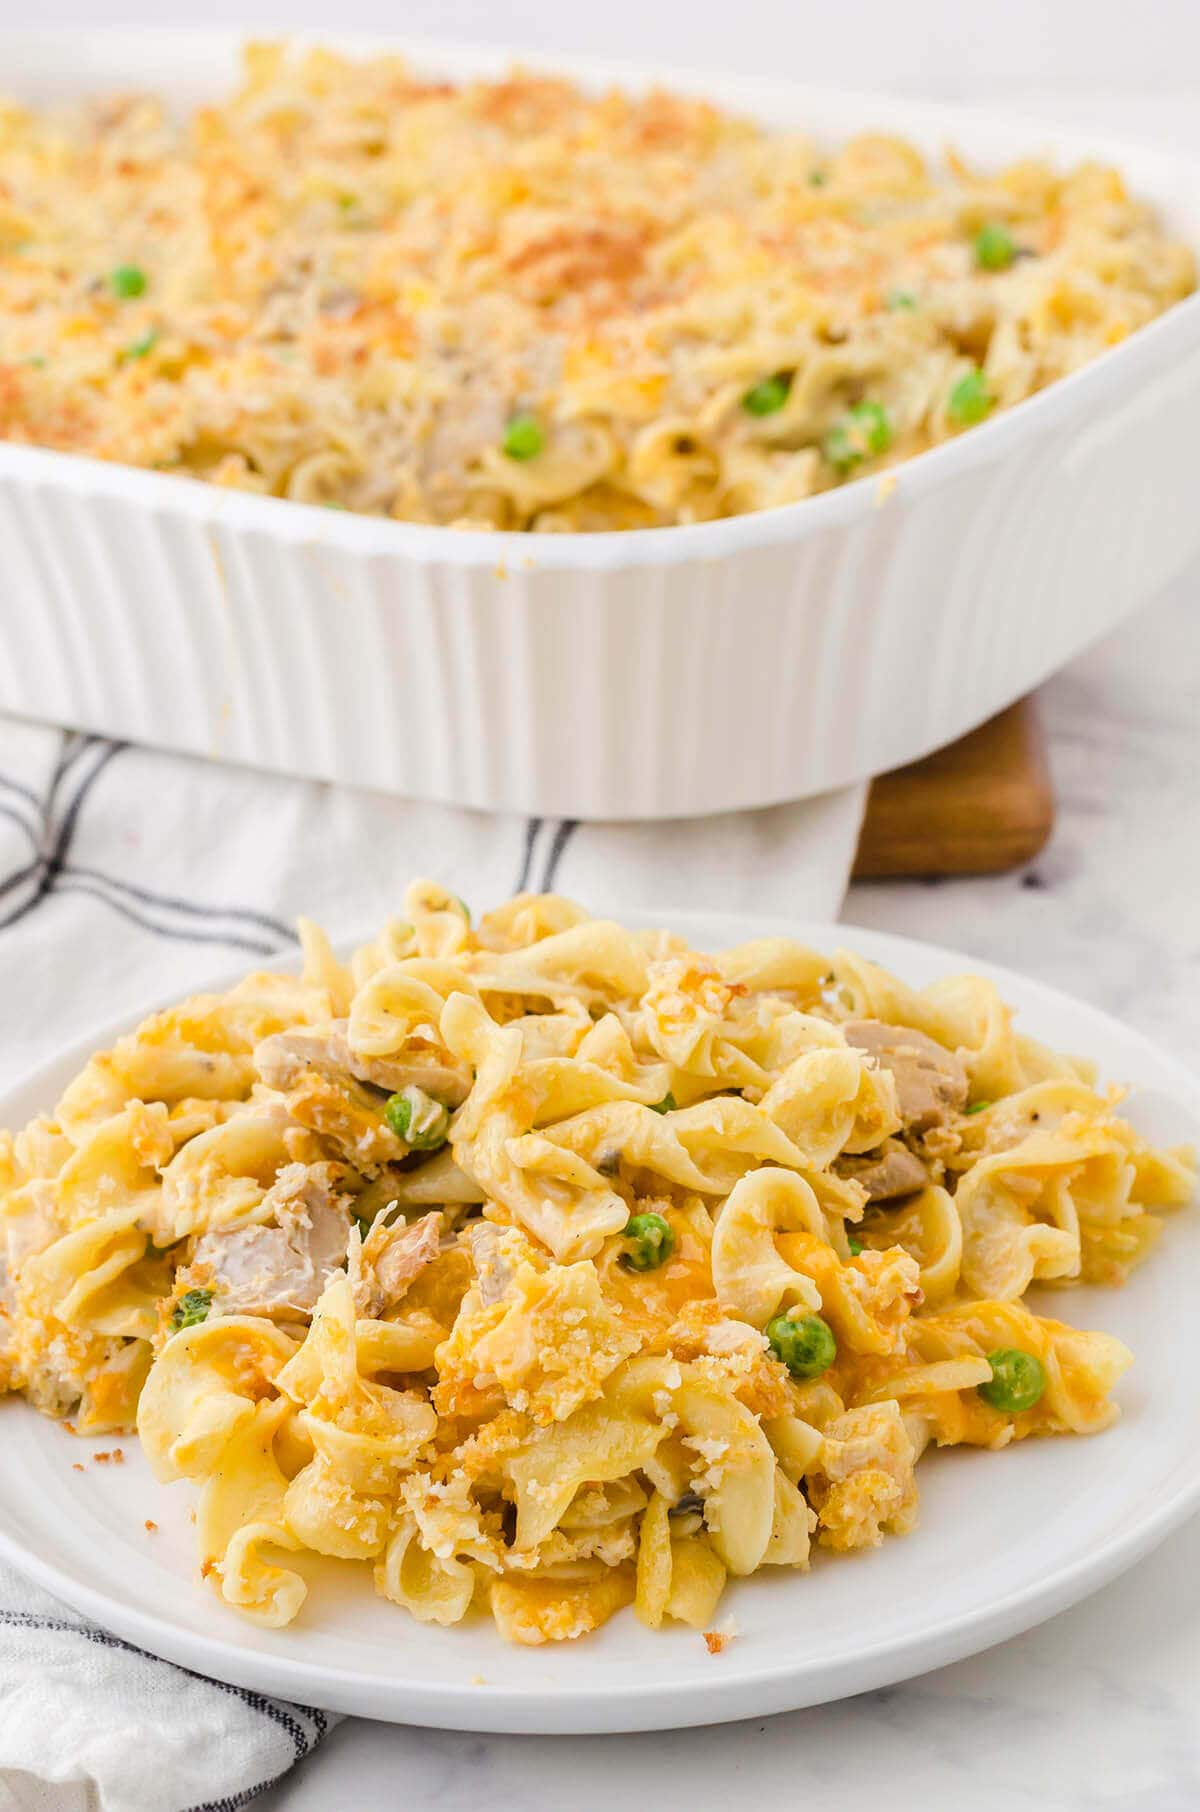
857	380
542	1267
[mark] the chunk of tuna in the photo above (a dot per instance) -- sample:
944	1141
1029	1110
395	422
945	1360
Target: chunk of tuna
279	1269
890	1171
931	1082
282	1060
393	1254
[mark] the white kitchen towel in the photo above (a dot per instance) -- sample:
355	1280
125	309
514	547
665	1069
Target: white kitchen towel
89	1724
128	877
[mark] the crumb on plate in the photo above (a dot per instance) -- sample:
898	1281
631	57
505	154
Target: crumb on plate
719	1639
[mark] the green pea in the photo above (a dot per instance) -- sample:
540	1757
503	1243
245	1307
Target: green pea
137	349
650	1242
970	400
863	432
855	1246
977	1107
191	1309
523	438
901	301
818	178
1016	1383
127	281
667	1105
769	396
37	361
418	1118
995	247
806	1346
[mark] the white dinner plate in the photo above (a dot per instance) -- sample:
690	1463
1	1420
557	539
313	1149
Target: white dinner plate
1004	1540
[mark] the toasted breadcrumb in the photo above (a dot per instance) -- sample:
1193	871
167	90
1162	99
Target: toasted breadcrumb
718	1640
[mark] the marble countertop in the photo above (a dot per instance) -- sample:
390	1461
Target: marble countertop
1099	1706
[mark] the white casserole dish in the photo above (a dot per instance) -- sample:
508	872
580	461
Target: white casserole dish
656	673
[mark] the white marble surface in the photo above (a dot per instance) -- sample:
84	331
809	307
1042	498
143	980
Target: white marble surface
1099	1706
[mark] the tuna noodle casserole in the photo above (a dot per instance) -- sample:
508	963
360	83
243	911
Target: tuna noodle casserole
511	304
550	1266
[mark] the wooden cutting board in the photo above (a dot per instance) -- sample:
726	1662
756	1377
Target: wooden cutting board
981	805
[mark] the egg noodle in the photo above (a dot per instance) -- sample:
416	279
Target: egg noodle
552	1266
512	304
